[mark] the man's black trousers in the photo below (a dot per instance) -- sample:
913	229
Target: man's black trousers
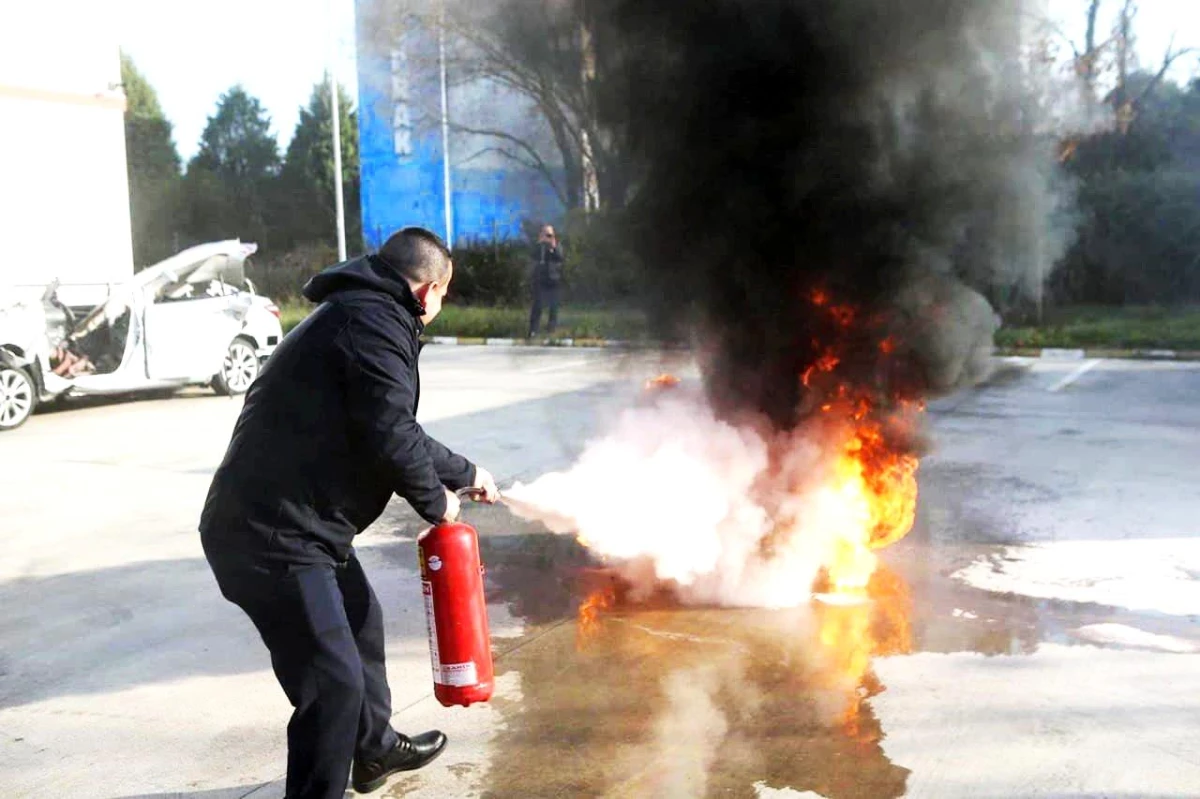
544	296
324	628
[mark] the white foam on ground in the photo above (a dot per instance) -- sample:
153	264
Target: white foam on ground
1065	721
1159	575
1132	638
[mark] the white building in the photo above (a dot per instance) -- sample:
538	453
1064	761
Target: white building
64	191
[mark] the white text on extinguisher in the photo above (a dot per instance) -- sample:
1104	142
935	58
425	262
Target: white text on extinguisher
431	627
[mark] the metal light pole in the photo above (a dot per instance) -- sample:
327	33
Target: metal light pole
447	200
339	202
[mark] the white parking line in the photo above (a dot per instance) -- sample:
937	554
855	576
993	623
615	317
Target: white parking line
1075	375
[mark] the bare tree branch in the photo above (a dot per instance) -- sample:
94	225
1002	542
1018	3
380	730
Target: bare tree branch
1169	59
535	161
1086	60
1089	43
552	74
540	50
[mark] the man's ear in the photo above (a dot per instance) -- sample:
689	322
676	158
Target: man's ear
421	291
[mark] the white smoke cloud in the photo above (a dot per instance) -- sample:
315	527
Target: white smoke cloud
674	495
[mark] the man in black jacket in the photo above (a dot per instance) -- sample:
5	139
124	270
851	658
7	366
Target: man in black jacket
327	435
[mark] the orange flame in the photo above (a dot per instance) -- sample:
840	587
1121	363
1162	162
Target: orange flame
876	483
664	380
846	637
873	481
873	477
843	315
588	622
854	634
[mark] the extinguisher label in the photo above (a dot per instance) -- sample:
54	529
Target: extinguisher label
459	674
431	627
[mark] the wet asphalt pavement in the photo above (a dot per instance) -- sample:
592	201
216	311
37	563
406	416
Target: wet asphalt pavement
971	673
612	697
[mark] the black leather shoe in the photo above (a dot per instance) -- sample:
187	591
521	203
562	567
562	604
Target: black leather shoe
410	754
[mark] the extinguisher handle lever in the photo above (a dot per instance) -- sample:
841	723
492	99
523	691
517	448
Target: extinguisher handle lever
473	494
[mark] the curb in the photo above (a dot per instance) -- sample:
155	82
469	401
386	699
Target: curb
1050	353
595	343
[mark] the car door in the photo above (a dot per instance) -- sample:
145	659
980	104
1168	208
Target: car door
190	320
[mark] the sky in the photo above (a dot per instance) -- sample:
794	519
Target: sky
193	51
1156	23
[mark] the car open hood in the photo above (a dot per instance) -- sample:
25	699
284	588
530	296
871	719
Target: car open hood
223	261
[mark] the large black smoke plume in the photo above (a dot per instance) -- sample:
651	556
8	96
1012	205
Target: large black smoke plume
824	195
880	153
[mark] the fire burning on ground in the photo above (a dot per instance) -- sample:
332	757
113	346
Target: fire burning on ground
589	612
874	474
825	226
739	513
878	487
824	205
665	380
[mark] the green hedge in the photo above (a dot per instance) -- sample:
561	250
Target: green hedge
598	271
1136	328
1147	327
477	322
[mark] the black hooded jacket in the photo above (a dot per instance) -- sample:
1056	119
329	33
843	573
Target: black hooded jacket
329	431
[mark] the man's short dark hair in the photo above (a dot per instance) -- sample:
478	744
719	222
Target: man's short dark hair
417	254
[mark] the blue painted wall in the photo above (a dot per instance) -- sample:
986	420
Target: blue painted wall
400	147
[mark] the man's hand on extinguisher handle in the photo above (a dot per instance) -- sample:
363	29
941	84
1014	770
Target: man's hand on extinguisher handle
474	494
453	506
484	488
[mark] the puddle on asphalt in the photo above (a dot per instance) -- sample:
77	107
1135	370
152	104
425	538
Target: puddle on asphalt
620	698
657	700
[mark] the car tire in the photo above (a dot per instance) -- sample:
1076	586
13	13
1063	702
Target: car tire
239	370
18	397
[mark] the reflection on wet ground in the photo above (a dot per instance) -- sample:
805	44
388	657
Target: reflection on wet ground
661	700
611	697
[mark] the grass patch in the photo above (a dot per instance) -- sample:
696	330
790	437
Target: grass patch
476	322
1142	327
292	313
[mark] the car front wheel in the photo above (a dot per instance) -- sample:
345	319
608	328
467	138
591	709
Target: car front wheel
18	397
239	370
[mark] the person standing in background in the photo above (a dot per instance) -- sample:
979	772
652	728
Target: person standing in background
546	280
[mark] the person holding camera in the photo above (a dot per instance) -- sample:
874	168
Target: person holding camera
546	280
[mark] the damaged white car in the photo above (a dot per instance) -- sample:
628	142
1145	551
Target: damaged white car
192	319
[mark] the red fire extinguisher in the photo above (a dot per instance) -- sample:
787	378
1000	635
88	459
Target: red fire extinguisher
456	614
